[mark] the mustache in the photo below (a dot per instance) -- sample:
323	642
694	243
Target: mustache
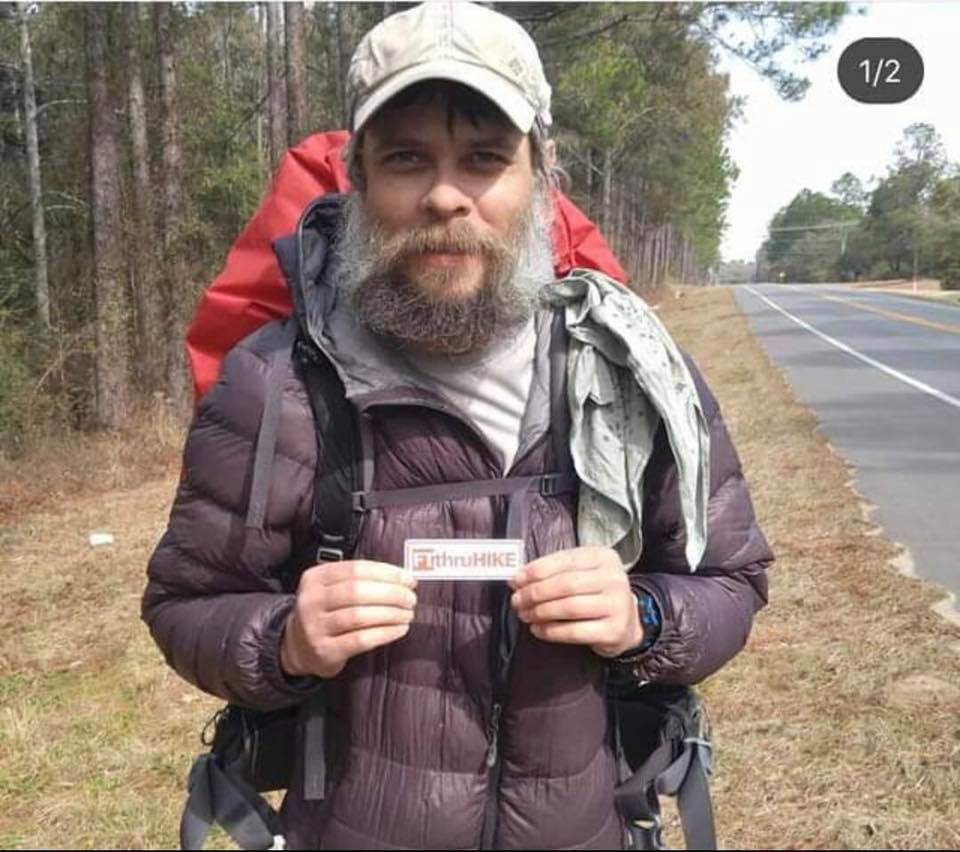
454	238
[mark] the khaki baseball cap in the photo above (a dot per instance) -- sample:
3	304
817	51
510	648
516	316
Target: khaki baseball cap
457	41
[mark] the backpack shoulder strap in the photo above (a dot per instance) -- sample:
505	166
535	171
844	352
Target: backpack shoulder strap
279	361
337	455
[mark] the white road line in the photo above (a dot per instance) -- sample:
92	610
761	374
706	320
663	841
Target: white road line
896	374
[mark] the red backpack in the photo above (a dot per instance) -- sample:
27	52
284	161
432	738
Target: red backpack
250	289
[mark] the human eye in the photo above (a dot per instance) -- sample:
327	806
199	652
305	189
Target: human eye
485	159
403	159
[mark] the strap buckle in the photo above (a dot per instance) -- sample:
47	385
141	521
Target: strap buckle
329	554
645	834
551	484
704	748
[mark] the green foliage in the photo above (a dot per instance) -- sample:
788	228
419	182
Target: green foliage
921	145
776	26
849	190
909	223
636	84
15	374
943	233
807	238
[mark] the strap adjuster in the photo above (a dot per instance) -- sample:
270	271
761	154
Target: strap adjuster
329	554
552	484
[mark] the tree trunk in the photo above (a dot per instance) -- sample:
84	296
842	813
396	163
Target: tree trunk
226	66
111	359
175	299
607	190
137	111
41	282
342	60
295	40
621	241
147	303
17	123
655	258
667	254
277	93
170	133
263	83
589	181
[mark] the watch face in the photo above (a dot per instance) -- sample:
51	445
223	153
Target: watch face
649	611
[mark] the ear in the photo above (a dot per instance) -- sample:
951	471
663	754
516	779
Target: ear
352	155
550	156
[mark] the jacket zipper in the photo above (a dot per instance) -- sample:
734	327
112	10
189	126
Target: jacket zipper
493	754
494	771
501	684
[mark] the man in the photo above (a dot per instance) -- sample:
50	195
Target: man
457	714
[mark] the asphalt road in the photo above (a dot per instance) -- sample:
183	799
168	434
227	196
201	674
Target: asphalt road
882	374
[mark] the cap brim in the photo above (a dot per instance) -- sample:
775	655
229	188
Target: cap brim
488	83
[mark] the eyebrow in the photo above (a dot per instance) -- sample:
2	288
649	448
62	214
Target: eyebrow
397	142
492	142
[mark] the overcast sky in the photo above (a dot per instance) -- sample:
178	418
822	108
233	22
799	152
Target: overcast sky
783	147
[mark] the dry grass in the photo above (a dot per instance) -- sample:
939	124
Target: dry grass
838	727
95	732
52	468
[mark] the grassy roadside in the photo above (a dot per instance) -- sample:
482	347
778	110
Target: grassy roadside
838	727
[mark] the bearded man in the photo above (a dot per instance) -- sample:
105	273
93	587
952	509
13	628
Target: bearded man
457	713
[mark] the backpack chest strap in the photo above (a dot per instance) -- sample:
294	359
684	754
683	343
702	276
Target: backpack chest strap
516	488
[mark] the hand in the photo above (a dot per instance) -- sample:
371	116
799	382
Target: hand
579	597
344	609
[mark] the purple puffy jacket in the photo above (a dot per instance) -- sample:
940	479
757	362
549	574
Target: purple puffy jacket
409	726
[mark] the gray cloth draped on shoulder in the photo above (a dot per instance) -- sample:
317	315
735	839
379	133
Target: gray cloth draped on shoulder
624	375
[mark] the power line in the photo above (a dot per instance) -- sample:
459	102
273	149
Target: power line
844	223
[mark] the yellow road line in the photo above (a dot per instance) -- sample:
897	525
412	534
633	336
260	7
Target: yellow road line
939	326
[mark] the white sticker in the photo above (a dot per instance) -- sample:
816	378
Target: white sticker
463	558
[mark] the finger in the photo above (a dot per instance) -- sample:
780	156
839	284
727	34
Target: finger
579	608
331	573
352	593
566	585
573	632
357	618
573	559
362	641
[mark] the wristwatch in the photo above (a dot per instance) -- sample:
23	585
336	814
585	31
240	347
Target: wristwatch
649	618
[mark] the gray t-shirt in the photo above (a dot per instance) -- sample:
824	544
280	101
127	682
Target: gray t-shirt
490	387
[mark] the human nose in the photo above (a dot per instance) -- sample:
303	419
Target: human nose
445	199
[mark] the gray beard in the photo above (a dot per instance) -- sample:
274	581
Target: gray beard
384	299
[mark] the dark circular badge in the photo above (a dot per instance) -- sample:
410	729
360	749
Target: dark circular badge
880	70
